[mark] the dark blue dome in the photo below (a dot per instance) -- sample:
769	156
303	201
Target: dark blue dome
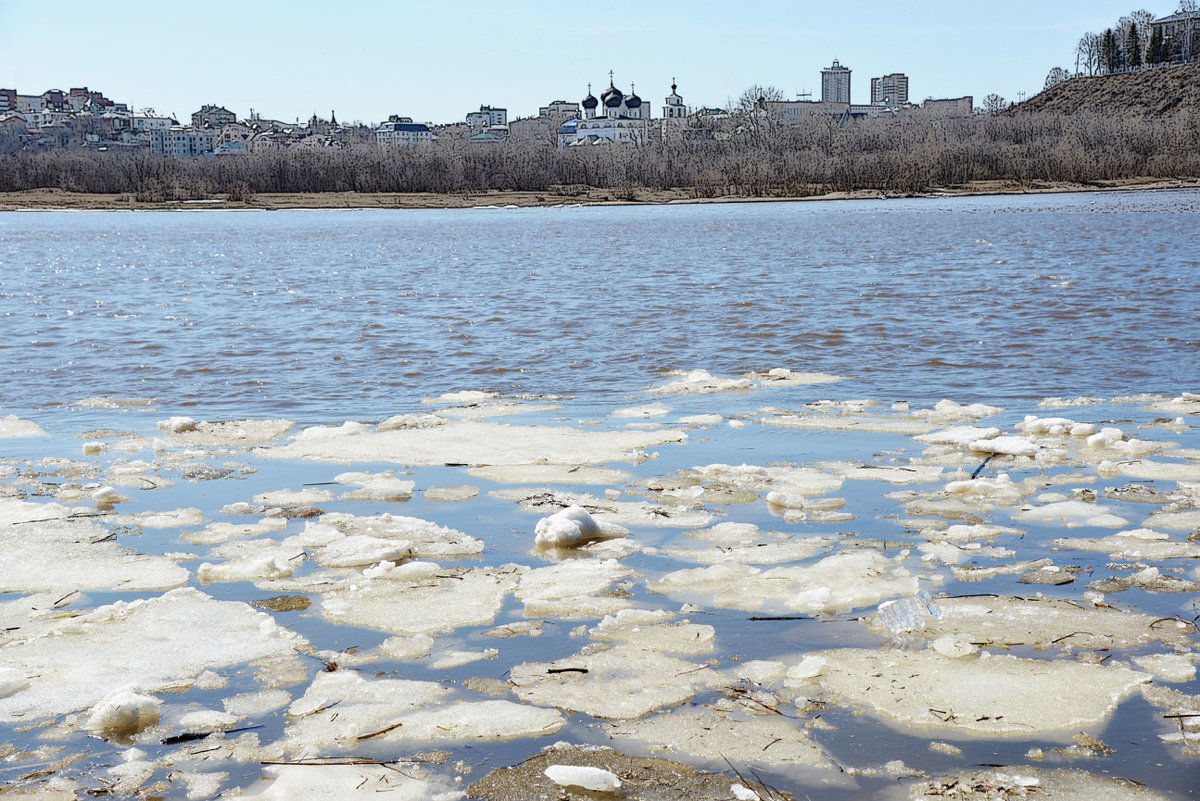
612	96
633	101
590	102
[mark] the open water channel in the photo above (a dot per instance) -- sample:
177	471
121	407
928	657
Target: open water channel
269	487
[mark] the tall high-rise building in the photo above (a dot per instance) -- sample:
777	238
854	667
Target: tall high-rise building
835	84
890	90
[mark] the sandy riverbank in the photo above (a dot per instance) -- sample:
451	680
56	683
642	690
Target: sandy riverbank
57	199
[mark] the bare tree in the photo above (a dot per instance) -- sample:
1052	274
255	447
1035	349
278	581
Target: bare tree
755	111
1087	53
994	104
1056	76
1186	48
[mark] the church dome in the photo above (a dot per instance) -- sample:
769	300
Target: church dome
590	102
633	101
612	97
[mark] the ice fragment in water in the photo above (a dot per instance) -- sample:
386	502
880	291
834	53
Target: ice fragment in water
571	527
594	779
908	614
124	712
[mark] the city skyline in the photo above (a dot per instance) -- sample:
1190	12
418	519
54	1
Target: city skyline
437	62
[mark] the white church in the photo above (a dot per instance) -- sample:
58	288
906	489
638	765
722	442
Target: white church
615	118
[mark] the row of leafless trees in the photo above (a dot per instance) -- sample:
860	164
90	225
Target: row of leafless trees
907	154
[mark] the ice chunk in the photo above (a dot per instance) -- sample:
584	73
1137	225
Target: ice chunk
123	712
1005	446
12	427
595	779
11	681
699	382
177	425
567	528
908	614
999	696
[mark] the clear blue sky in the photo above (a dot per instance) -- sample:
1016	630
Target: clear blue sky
435	61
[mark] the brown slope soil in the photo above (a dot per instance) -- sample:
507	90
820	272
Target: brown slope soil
1157	92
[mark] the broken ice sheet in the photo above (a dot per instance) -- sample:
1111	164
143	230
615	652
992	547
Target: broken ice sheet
471	443
176	636
12	427
837	583
400	780
623	681
426	539
421	598
572	589
1138	543
704	734
621	513
1049	622
346	711
699	382
44	548
985	695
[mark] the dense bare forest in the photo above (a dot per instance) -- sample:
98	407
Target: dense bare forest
912	153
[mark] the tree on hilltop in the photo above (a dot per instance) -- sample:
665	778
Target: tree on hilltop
1156	50
1087	53
1057	75
1133	46
1110	53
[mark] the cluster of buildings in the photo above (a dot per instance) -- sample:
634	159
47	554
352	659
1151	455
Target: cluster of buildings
615	117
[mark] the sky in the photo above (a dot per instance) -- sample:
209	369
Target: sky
437	61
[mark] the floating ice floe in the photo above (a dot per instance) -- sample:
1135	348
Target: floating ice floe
379	487
463	492
45	548
987	695
12	427
79	661
573	589
426	539
624	681
550	474
1048	622
699	382
1071	514
837	583
236	434
605	511
1138	543
705	734
422	598
783	377
350	781
471	443
655	629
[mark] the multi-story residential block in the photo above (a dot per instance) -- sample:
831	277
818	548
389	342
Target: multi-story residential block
182	141
558	109
890	90
488	117
216	116
835	84
8	100
402	132
145	121
1180	33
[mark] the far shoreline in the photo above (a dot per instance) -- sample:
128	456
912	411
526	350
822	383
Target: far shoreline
62	200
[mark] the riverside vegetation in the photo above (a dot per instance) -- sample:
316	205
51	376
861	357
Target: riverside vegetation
759	158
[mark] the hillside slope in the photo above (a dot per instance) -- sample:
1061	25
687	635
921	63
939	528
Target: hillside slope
1152	93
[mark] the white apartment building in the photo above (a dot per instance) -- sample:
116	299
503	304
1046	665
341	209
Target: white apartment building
835	84
402	132
488	117
559	108
183	142
890	90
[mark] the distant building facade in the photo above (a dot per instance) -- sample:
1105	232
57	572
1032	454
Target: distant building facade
216	116
488	117
183	142
890	90
402	132
951	107
835	84
1180	34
